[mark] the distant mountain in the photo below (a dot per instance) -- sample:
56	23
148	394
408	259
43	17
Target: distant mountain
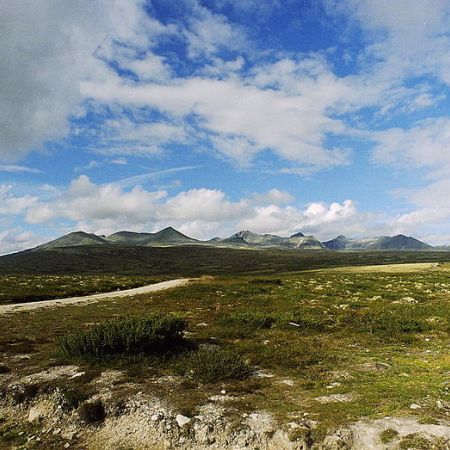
248	238
167	236
75	239
399	242
129	238
245	238
171	236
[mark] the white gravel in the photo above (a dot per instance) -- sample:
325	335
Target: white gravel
16	307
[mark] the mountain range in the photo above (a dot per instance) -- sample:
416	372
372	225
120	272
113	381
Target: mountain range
247	239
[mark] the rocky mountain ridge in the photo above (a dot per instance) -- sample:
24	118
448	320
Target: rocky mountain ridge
244	238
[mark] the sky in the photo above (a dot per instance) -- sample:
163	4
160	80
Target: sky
323	116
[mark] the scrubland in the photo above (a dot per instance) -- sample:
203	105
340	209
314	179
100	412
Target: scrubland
316	350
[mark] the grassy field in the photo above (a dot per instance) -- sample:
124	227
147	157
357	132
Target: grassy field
333	346
31	288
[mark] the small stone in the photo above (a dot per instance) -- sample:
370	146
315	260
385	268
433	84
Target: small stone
77	375
223	391
286	382
57	431
415	406
182	420
35	415
66	445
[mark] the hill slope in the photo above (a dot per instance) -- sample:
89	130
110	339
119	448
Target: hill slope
399	242
298	240
77	238
167	236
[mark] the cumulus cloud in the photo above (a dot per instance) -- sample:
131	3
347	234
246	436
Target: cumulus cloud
47	49
203	213
15	239
11	204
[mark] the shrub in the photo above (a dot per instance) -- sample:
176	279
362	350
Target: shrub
275	281
24	393
4	369
72	398
253	320
126	335
388	435
213	364
92	412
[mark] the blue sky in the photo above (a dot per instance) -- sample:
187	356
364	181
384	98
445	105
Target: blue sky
323	116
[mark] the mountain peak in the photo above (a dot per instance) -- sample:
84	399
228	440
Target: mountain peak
74	239
298	234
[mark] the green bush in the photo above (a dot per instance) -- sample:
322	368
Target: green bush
72	398
213	364
253	320
92	412
127	335
275	281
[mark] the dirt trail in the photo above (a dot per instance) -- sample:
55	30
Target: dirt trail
16	307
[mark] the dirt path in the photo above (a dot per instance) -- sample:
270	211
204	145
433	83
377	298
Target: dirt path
388	268
16	307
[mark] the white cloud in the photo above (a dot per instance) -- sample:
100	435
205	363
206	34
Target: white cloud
47	49
424	145
273	196
408	38
208	33
11	204
15	239
238	113
13	168
203	212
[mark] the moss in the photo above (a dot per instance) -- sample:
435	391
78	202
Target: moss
388	435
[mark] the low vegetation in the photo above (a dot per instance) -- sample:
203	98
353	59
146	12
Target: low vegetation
30	288
334	346
127	335
213	365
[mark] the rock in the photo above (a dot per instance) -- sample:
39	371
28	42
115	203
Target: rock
263	374
335	398
68	435
286	382
36	414
340	440
182	420
415	406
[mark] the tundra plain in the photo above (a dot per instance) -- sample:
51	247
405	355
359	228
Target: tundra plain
348	357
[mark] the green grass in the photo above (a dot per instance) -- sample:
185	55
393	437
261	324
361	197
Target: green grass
30	288
213	365
127	336
314	335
